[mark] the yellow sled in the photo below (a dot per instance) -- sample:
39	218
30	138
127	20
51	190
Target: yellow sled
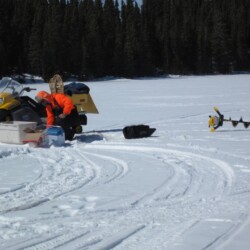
84	103
78	92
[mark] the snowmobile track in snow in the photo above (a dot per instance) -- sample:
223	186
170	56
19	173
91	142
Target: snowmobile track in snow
187	178
181	165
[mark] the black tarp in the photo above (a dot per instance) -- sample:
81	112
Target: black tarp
76	88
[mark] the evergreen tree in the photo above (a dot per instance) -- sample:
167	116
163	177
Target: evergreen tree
241	35
204	30
86	7
189	35
248	33
5	39
220	40
15	47
118	57
166	50
93	38
93	52
52	40
36	38
22	26
109	29
176	28
74	40
132	40
150	34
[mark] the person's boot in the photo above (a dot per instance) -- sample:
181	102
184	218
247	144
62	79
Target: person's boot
69	134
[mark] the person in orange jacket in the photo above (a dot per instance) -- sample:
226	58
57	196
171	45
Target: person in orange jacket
60	111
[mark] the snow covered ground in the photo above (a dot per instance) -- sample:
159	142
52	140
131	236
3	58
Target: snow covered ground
183	188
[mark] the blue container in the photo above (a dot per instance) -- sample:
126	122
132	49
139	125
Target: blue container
53	136
57	131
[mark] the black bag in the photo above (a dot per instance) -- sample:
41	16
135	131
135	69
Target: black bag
76	88
137	131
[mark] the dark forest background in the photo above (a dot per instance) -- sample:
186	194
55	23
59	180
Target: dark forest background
91	39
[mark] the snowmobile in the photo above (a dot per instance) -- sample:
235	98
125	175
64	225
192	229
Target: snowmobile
14	106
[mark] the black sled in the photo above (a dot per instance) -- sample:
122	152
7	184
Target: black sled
137	131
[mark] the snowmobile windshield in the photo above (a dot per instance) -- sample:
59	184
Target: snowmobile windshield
8	85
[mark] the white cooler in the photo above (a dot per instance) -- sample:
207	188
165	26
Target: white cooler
14	131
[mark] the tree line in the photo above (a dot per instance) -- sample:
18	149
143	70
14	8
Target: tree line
92	38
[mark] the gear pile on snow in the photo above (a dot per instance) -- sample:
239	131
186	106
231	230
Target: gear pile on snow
137	131
215	122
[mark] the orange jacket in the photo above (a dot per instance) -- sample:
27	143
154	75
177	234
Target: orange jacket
63	102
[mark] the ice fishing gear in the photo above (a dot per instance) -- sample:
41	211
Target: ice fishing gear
14	106
215	122
137	131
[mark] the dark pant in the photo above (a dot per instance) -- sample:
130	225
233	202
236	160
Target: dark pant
67	123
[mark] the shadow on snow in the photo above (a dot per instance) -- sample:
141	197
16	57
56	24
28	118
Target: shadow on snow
95	135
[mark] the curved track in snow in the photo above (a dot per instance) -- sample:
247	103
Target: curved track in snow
175	180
